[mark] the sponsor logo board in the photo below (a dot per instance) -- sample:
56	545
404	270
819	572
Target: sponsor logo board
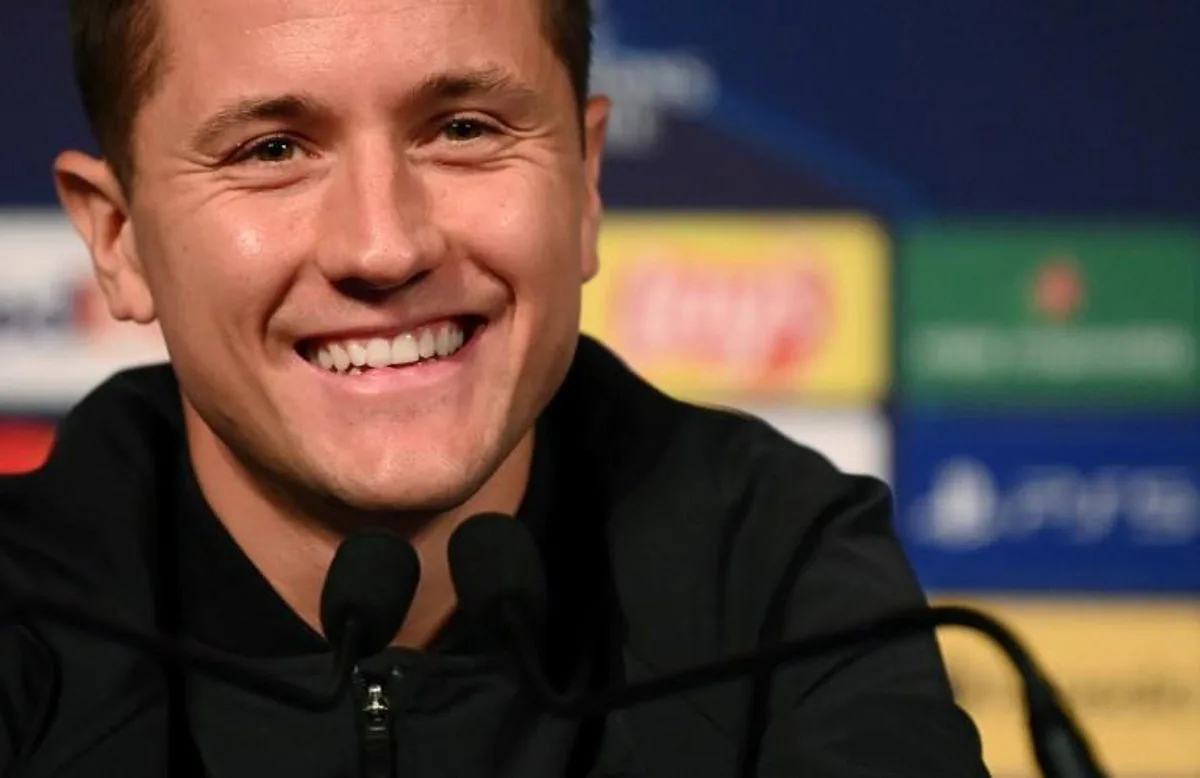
57	340
1128	669
1050	503
741	309
1018	314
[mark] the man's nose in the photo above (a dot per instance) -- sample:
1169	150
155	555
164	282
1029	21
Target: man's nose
378	232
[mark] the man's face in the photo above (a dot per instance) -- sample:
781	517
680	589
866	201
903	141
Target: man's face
400	182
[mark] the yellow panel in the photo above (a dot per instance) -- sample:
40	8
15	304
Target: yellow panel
740	308
1129	669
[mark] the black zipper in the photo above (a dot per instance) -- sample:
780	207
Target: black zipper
375	726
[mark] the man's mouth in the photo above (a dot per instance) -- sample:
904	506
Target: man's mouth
358	355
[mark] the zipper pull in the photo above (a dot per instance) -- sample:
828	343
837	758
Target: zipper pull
375	725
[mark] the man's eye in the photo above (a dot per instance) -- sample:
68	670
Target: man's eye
465	130
272	150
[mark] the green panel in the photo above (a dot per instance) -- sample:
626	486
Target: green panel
1032	314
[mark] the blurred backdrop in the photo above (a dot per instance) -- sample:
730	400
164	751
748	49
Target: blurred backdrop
954	245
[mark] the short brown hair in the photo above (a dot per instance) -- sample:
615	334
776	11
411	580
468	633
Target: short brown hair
118	59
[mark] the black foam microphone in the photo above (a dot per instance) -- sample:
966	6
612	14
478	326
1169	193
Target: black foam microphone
501	587
367	593
496	548
497	571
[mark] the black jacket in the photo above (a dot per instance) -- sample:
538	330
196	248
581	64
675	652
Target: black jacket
675	536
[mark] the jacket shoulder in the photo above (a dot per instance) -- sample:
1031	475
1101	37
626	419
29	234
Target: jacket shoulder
734	502
64	522
709	508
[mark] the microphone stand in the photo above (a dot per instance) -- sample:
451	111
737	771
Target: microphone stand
1059	747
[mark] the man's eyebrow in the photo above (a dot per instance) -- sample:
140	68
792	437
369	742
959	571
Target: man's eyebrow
482	81
448	85
255	109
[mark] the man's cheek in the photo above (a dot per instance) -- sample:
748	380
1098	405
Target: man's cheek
250	241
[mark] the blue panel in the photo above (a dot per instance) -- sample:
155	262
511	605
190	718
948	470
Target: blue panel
1049	503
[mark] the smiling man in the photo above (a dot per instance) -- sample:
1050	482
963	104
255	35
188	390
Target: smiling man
363	227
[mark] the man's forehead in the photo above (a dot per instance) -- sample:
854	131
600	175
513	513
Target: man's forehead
272	45
253	15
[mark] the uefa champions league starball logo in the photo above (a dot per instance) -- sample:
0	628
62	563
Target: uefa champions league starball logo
646	86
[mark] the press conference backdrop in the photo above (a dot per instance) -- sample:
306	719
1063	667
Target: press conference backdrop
951	244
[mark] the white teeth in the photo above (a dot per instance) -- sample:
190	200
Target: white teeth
379	353
426	344
341	360
445	341
354	357
404	350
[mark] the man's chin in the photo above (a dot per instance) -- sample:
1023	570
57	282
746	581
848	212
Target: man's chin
387	502
370	502
381	484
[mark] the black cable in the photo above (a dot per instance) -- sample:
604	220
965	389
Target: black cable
1060	748
187	653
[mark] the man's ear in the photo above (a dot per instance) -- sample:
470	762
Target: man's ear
92	197
595	128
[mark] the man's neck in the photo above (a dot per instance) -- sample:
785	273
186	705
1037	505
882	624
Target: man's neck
293	552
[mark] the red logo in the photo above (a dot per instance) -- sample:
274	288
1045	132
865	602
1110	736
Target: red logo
24	446
763	320
1059	290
